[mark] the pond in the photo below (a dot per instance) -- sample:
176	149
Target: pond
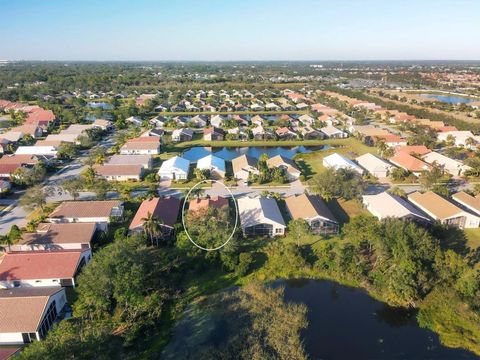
346	323
229	153
449	99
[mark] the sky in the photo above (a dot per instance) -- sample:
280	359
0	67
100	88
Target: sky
234	30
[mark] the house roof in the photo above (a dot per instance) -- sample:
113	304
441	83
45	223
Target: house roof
9	168
175	162
385	205
67	233
338	161
21	309
211	161
141	145
448	163
409	162
118	170
18	159
40	115
242	162
200	204
254	211
280	160
82	209
434	204
129	159
472	202
30	265
308	206
373	163
330	130
412	149
166	209
212	130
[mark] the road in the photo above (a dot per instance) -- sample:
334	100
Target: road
16	215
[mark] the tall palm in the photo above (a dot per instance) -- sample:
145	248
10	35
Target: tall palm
153	228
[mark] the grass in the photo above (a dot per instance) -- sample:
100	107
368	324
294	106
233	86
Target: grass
473	238
344	210
312	163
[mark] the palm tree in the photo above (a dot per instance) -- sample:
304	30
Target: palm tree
153	228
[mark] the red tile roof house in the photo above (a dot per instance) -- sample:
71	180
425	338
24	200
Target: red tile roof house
286	133
66	236
213	134
165	209
42	268
42	118
202	204
119	172
27	314
99	212
410	163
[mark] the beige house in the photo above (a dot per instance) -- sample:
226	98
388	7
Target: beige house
444	211
293	172
260	216
243	166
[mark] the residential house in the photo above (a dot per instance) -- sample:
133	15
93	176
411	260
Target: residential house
314	211
63	236
135	120
199	205
260	216
165	209
28	313
42	268
337	161
144	160
306	120
175	168
33	130
99	212
158	121
374	165
119	172
39	150
291	169
142	146
183	134
409	163
444	211
386	205
199	121
472	203
451	166
214	164
243	166
461	138
418	150
213	134
285	133
217	121
332	132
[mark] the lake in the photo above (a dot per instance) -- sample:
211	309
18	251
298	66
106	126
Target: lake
346	323
229	153
449	99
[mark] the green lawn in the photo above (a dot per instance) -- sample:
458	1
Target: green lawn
311	163
473	238
343	210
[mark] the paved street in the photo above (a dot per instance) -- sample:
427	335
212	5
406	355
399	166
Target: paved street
16	215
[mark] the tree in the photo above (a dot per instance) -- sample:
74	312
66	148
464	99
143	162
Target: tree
67	150
398	174
428	179
153	227
332	183
298	229
36	196
73	187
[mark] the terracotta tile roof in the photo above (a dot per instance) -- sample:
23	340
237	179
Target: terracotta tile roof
21	309
166	209
40	115
142	139
308	206
82	209
409	162
200	204
412	149
67	233
434	204
9	168
30	265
